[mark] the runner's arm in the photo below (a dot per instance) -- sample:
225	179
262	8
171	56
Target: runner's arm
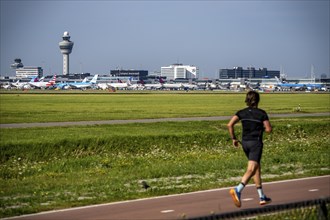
267	126
231	129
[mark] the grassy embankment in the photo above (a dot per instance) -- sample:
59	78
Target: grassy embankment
47	168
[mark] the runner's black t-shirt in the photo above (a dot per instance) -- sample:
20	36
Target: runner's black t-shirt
252	121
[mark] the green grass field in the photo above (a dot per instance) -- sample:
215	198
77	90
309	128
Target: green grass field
20	108
52	168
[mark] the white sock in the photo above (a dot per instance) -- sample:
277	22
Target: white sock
240	187
260	192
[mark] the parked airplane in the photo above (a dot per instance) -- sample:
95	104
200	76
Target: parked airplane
252	86
6	86
120	84
84	85
24	85
102	86
211	86
21	85
151	85
267	87
65	85
298	86
175	86
136	86
224	86
189	86
62	85
43	85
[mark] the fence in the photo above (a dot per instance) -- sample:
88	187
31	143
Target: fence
310	209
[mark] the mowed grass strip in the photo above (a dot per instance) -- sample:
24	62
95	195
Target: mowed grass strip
27	108
52	168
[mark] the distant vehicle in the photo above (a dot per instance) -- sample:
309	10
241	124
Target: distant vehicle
298	86
43	85
84	84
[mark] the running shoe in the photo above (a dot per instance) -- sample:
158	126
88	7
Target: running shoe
236	196
265	200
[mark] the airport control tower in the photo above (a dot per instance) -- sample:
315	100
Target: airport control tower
66	48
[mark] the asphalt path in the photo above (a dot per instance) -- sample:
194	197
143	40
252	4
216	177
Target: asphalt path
83	123
189	205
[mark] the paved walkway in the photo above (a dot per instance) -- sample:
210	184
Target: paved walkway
81	123
189	205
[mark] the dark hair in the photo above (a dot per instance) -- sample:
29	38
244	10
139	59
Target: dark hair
252	99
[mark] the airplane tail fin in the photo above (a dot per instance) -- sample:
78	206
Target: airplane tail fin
129	81
53	80
94	79
34	79
85	80
161	80
278	80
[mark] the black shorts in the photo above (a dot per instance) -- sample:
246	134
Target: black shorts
253	150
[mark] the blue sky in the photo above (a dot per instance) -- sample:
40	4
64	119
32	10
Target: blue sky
150	34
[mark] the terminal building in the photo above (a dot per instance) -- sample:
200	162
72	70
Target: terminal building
137	74
26	72
250	72
29	72
179	71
